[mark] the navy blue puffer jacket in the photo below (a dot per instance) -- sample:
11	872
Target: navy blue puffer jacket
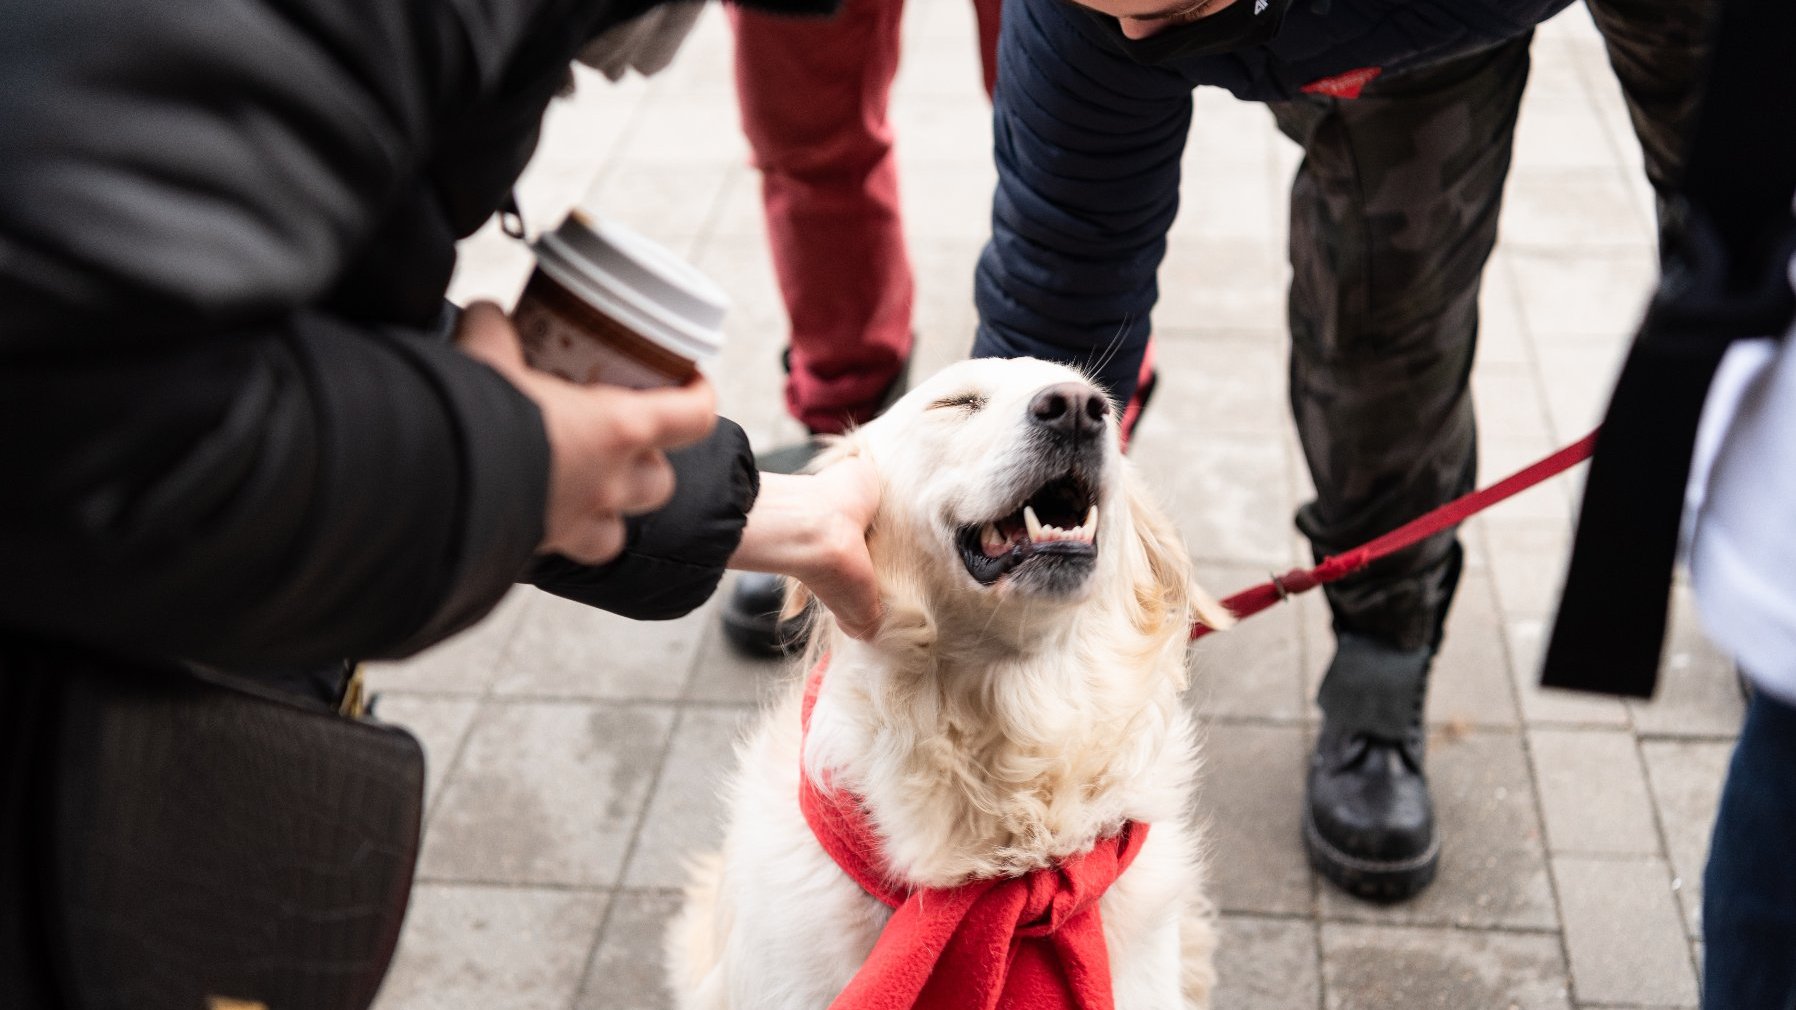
1087	144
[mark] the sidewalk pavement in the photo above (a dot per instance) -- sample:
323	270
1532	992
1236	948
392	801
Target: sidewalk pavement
575	756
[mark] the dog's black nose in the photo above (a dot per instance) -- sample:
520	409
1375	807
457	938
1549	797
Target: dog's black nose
1070	409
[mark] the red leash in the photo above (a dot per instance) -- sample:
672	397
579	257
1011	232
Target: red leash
1254	599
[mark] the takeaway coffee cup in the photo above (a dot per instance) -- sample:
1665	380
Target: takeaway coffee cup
606	305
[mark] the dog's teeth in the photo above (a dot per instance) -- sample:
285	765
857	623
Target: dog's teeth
1032	523
992	540
1091	524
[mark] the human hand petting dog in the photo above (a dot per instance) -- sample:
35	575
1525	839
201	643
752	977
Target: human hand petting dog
814	529
606	443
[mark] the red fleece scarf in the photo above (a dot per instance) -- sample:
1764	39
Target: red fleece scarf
1034	942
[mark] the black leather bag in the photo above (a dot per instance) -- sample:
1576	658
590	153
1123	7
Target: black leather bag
192	842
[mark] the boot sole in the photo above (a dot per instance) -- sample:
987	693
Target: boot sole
1370	879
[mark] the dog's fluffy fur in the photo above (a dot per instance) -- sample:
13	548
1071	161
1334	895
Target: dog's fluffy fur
990	729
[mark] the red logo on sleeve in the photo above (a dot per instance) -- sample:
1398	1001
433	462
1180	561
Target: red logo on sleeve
1347	85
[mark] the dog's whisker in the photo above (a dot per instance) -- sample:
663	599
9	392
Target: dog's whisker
1111	349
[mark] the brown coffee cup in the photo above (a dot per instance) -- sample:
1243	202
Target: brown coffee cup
607	305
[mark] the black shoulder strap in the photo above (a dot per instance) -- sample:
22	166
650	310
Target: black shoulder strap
1726	276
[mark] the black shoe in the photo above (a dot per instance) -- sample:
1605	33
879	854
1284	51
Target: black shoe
1368	821
751	617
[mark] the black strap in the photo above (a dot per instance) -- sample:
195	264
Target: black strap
1725	278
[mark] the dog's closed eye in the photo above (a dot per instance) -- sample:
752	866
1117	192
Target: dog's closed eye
968	401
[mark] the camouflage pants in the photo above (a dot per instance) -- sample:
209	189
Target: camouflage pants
1393	214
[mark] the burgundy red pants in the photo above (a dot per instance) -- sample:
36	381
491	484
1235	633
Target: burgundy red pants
814	94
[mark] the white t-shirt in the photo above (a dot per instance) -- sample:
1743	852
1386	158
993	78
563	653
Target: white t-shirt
1740	510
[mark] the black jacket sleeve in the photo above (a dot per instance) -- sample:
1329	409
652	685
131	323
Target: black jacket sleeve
285	495
198	458
1087	146
673	558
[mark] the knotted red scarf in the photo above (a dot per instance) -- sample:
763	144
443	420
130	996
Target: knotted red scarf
1034	942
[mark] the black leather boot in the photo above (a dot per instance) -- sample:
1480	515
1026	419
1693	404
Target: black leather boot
1368	821
751	617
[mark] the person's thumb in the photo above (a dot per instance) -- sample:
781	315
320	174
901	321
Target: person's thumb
486	334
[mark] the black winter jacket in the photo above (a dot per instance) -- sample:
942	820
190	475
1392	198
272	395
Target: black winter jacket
230	430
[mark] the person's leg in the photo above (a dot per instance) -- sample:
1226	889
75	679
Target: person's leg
1749	886
813	95
1657	48
1393	214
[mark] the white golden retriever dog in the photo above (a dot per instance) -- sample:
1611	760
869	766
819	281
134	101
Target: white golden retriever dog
1020	702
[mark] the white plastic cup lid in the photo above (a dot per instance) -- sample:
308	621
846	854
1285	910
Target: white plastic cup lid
636	282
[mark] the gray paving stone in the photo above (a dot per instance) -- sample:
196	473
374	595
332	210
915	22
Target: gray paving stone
679	131
1228	493
1698	693
627	971
495	948
948	200
1493	870
1574	207
565	649
438	723
1580	294
1470	682
671	203
720	673
1527	564
1502	338
1383	967
1253	670
1686	779
685	817
1266	964
1579	375
1252	798
1553	135
1250	208
546	793
946	129
466	663
944	318
1246	397
1593	792
1622	931
1201	284
1547	705
1509	408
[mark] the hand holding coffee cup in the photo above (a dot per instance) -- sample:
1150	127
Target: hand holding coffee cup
609	310
606	442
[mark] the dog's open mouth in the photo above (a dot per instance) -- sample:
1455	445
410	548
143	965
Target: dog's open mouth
1058	524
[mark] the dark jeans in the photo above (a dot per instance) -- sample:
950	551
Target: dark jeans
1749	888
1393	214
